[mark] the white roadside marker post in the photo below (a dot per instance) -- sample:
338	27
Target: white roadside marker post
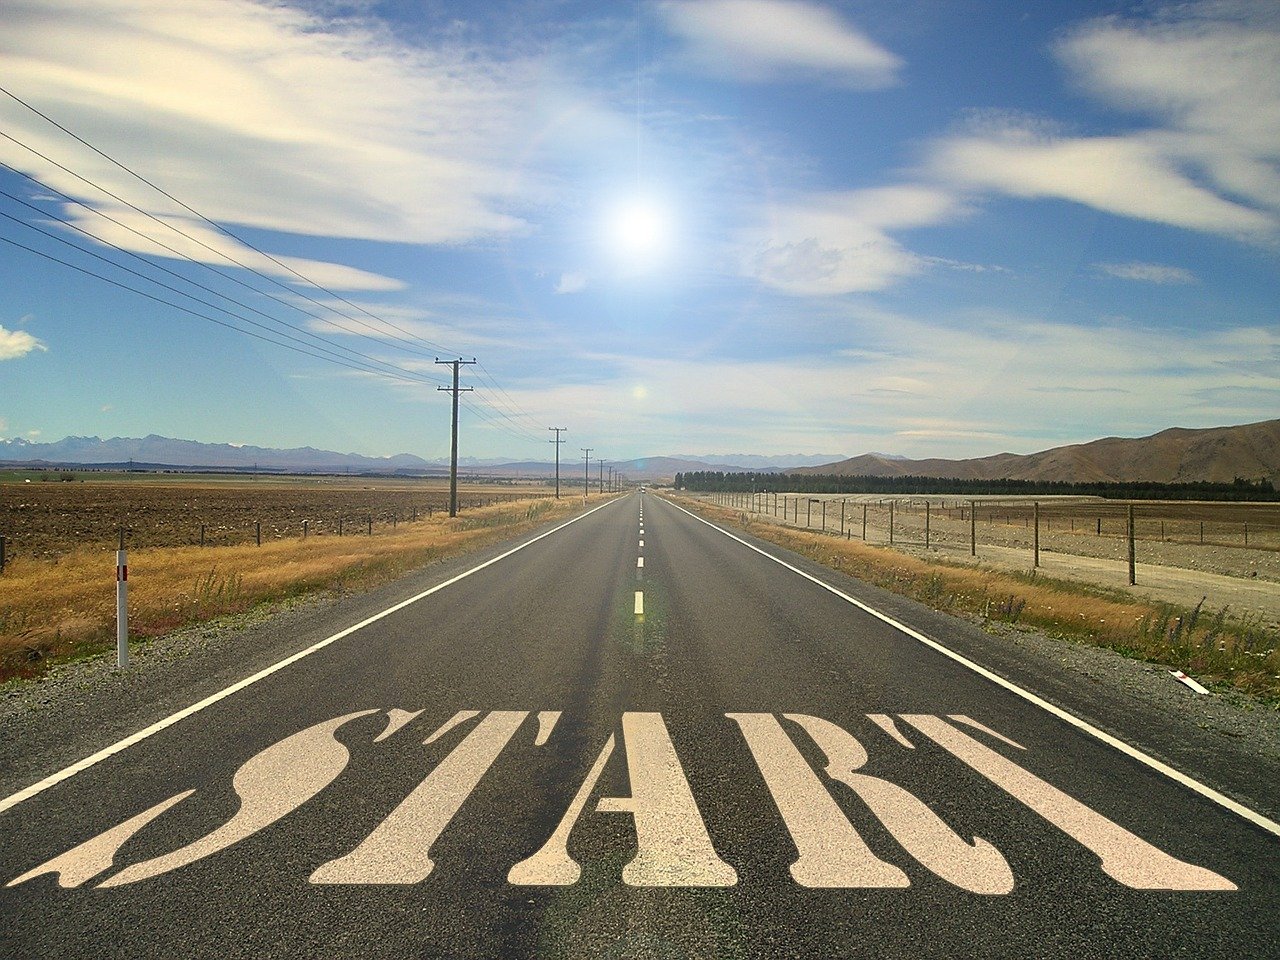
122	605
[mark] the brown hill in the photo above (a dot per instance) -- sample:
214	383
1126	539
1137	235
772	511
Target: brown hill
1218	454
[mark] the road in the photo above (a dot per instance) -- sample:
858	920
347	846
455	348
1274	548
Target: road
634	736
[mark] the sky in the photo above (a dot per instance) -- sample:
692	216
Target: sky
920	227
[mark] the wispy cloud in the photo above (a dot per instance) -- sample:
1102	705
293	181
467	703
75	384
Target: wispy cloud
1208	159
834	243
767	39
1146	272
269	116
18	343
1131	176
571	283
1221	117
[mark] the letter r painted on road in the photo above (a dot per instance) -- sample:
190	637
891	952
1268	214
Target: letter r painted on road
831	852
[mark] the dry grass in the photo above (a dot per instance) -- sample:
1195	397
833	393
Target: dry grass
1211	646
60	609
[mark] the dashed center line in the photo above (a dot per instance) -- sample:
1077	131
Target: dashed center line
639	603
642	543
639	561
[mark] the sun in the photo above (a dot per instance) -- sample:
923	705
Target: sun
639	231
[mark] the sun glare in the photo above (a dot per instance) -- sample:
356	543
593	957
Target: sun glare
639	231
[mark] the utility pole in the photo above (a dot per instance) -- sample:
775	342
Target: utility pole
600	464
453	446
586	470
611	490
557	441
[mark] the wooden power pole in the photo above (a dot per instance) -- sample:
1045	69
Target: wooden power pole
453	445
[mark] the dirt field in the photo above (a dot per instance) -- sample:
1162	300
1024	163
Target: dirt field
1174	568
46	520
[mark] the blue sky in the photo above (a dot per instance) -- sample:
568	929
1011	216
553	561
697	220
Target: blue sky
920	227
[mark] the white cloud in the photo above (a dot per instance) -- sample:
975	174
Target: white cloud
762	39
190	238
571	283
1207	77
17	343
268	116
835	243
1146	272
1127	175
1223	114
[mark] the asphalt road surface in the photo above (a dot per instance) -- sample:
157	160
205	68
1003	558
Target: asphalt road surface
634	736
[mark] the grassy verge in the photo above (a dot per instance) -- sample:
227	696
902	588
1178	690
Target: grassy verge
52	611
1212	646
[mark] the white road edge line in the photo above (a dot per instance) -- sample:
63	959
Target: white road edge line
639	603
120	745
1127	749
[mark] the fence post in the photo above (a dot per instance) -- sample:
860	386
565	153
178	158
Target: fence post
926	524
2	557
257	526
1246	533
824	516
340	526
1133	578
891	523
842	505
122	605
864	521
304	529
202	534
973	528
1035	538
371	526
808	512
1202	533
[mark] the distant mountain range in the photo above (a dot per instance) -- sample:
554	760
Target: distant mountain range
1219	454
155	452
1177	455
164	451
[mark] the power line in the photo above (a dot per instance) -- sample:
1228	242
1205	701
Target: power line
228	233
177	253
219	253
196	313
485	414
194	283
196	213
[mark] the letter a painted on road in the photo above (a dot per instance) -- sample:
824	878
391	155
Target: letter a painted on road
674	848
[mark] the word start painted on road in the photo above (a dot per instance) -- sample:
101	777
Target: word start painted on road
674	848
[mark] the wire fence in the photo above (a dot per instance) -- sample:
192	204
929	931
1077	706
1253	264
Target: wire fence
46	525
1183	550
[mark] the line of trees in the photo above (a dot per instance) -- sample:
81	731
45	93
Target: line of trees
717	480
